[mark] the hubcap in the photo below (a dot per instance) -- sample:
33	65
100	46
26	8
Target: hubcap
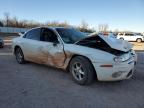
19	56
78	71
138	40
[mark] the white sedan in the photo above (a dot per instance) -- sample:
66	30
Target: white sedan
86	57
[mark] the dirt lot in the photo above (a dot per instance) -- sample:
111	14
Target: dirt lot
138	46
37	86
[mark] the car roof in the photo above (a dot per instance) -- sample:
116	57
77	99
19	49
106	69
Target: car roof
51	27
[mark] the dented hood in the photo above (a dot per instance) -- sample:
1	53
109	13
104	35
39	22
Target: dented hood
114	43
118	44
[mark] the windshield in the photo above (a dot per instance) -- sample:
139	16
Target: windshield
70	35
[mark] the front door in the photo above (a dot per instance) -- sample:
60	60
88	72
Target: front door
52	48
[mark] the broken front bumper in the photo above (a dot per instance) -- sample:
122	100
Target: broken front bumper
117	72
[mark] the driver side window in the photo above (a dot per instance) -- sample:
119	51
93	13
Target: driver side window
48	35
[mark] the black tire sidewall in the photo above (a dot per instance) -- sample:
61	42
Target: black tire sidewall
139	40
122	38
88	69
16	54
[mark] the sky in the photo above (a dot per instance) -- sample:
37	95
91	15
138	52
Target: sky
118	14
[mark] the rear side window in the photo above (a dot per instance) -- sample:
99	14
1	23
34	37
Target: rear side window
34	34
120	34
132	34
129	34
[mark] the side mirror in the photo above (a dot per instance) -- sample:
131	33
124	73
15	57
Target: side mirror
55	43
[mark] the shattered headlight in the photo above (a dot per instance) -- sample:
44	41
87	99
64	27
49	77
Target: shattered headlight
122	58
132	52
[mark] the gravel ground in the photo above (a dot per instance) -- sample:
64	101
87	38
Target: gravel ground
38	86
138	46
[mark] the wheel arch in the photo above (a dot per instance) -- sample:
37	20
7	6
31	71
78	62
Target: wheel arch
139	38
76	55
121	38
16	47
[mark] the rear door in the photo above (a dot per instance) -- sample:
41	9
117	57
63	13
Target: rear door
32	46
128	37
133	37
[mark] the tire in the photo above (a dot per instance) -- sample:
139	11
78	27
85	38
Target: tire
122	38
1	46
81	70
139	40
19	56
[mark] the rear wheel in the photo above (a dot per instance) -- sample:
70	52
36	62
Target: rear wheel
1	46
139	40
19	56
81	70
122	38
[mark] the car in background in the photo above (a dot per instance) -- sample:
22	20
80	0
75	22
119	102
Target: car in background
85	57
21	33
131	37
1	43
108	34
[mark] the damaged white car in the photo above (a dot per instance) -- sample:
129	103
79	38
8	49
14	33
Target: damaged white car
86	57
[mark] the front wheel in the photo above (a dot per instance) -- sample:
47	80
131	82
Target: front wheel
81	70
19	56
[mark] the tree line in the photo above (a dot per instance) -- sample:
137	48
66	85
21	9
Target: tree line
9	21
